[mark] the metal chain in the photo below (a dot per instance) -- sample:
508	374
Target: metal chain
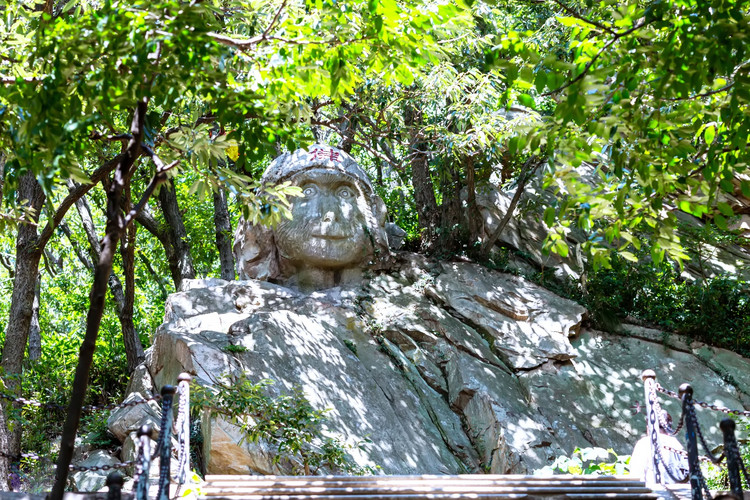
668	468
72	468
698	431
703	404
87	408
683	453
121	465
652	427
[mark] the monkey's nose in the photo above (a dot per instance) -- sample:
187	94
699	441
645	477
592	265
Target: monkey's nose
329	217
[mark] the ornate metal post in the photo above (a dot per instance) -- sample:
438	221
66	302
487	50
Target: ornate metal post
144	463
652	420
732	452
686	394
114	483
183	428
165	441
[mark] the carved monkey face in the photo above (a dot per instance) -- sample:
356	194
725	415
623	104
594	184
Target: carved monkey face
328	229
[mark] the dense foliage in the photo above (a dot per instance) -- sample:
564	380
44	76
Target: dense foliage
175	109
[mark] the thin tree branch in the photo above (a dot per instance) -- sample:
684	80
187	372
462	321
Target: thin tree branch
159	178
72	197
585	69
578	16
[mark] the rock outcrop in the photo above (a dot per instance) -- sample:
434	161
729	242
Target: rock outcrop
445	367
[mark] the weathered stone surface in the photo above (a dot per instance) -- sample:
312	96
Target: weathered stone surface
528	325
338	225
92	480
730	366
598	393
141	382
405	360
123	421
445	367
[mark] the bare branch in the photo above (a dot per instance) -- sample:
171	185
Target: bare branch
274	20
585	69
72	197
159	177
578	16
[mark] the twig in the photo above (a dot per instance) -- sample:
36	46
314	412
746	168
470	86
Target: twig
578	16
273	21
159	178
585	70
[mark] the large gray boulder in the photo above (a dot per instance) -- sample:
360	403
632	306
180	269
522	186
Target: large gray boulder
445	367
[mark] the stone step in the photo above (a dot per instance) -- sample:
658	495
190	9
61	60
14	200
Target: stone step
480	487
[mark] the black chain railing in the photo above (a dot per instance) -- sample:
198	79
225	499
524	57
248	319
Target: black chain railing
656	420
142	462
86	409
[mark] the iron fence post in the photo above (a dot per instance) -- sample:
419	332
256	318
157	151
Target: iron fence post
143	464
183	428
732	452
652	420
165	441
114	484
686	394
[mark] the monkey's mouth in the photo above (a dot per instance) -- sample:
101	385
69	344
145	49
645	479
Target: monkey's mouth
331	236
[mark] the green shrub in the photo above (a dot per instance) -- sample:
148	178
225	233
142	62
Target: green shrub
588	461
287	421
715	311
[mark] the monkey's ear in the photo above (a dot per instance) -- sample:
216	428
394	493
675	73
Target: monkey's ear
379	210
255	252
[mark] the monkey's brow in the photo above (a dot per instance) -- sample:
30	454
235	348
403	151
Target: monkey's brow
329	180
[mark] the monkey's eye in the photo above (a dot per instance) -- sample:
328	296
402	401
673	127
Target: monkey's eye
309	191
345	192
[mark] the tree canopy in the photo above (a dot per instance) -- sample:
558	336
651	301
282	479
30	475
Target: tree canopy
133	135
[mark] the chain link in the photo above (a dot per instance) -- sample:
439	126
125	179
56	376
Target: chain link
703	404
667	468
87	408
120	465
72	468
699	432
683	453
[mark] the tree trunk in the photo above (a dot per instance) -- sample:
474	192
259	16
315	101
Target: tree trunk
154	274
150	224
178	235
452	232
347	127
133	347
28	255
526	173
35	332
223	225
123	303
87	222
428	216
29	249
114	230
473	215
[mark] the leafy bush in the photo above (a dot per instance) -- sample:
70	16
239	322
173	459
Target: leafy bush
287	421
588	461
716	310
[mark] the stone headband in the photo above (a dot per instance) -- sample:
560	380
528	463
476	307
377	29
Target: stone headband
316	156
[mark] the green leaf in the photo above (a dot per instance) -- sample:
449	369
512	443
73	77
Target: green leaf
526	100
725	209
721	222
628	256
709	134
549	216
